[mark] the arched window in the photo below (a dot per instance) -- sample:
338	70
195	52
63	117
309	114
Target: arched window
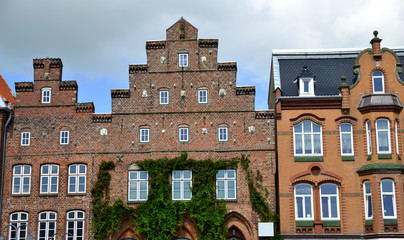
388	198
49	178
77	178
396	133
367	195
304	202
329	201
46	225
21	179
368	138
383	136
75	224
307	138
346	139
18	219
138	185
378	82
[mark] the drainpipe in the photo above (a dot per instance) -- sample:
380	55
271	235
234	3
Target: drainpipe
10	116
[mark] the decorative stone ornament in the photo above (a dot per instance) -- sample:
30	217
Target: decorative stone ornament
144	93
204	130
222	92
251	129
103	132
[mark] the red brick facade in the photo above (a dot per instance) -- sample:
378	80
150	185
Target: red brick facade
103	137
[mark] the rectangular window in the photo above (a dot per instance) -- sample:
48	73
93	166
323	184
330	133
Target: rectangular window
396	132
304	202
64	137
181	185
75	225
226	184
368	138
329	202
18	219
49	178
46	225
183	60
222	133
183	135
388	199
164	97
307	138
144	135
46	95
306	86
368	200
383	136
138	185
77	178
346	139
25	138
21	179
203	96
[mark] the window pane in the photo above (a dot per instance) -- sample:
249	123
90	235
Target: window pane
17	169
299	205
72	169
387	186
369	203
316	128
383	141
324	204
187	174
298	128
27	170
303	189
328	189
307	204
220	174
378	84
45	169
307	144
346	128
176	175
334	209
317	143
388	205
306	126
298	144
133	175
231	173
143	175
82	168
346	143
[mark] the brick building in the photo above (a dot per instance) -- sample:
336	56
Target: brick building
182	99
340	142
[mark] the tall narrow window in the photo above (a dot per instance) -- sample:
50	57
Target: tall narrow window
183	60
223	134
49	178
307	138
46	95
183	134
18	219
226	184
138	185
396	133
329	202
306	87
77	178
181	185
25	138
368	138
346	139
64	137
46	225
144	135
378	82
21	179
164	97
383	136
388	198
367	194
203	96
304	202
75	225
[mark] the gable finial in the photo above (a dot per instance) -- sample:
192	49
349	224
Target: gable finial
375	32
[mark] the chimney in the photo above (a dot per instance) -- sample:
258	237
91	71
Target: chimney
48	69
377	54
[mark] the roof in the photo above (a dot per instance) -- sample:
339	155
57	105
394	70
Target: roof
7	96
327	67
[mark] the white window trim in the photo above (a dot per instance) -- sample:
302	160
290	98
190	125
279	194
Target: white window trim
388	136
75	220
25	136
50	175
186	64
329	204
396	132
304	218
21	176
301	87
187	134
137	182
226	179
226	134
341	143
18	223
199	96
393	194
365	197
368	138
63	138
77	176
141	131
182	185
47	220
312	140
373	82
43	95
160	97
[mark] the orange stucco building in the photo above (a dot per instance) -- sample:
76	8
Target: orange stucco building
340	146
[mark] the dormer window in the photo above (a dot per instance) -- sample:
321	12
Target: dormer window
378	82
306	86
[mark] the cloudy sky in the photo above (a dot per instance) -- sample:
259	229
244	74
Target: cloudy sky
97	40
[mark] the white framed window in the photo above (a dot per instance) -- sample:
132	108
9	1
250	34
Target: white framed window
75	224
226	184
306	87
329	201
21	179
144	136
183	60
223	134
368	138
18	219
77	178
307	138
388	199
378	82
203	96
183	134
49	178
181	185
383	136
64	137
25	138
46	225
164	97
46	95
346	138
396	133
304	202
138	185
367	195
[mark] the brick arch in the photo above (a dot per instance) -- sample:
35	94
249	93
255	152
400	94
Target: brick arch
188	229
239	222
307	116
126	230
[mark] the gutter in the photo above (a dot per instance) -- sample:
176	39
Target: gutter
10	116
